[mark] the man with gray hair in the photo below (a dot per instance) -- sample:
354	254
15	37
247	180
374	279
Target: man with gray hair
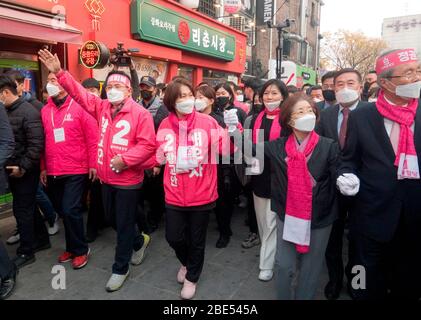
380	167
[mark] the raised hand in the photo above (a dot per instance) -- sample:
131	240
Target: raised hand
52	62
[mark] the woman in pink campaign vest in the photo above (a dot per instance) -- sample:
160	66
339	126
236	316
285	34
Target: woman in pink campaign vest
126	148
188	142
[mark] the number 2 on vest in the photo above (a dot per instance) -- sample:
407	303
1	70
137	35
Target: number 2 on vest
118	137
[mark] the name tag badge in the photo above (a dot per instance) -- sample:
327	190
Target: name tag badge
186	159
59	135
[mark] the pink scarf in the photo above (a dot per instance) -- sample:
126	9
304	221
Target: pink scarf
275	130
406	157
299	204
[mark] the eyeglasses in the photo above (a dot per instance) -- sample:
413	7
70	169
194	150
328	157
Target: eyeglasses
409	75
116	86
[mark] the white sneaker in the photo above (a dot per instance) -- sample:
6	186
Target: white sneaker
54	229
188	291
14	238
139	255
265	275
116	281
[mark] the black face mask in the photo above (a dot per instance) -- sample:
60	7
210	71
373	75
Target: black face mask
221	102
147	95
329	95
257	107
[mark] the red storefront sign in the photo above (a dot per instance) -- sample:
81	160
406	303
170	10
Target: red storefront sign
94	55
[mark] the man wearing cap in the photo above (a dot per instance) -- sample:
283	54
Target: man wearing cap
126	148
96	214
380	167
153	189
149	98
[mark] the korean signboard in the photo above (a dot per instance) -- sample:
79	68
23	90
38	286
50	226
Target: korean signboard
264	12
150	22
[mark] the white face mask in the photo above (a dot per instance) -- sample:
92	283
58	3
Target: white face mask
185	107
316	100
115	96
347	95
53	90
273	105
305	123
240	98
410	90
200	104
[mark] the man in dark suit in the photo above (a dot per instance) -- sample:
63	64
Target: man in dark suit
328	90
380	166
333	124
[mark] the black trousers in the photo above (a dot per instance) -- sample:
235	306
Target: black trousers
153	192
66	195
228	189
186	234
392	268
6	265
251	212
96	214
121	209
334	256
30	223
141	218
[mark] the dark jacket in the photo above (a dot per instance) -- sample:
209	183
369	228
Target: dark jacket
382	198
322	166
7	146
161	114
29	135
328	123
32	100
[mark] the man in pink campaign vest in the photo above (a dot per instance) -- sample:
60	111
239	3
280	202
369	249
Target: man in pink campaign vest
70	155
126	148
380	167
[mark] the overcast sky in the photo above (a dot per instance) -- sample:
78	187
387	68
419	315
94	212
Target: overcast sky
364	15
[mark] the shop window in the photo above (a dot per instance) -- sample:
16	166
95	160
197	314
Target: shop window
214	77
207	7
186	72
303	53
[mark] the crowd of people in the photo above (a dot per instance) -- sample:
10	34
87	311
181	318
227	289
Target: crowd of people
309	163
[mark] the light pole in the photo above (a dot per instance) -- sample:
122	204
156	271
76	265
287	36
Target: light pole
279	49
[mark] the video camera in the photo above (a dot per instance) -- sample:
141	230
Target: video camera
121	57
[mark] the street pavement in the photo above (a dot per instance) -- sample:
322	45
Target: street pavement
228	274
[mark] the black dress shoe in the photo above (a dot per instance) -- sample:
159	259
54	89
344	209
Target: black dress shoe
8	285
222	242
333	290
42	246
22	260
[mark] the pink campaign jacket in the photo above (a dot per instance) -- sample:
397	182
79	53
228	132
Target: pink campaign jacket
130	134
77	153
198	186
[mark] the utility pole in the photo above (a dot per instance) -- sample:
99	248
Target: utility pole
279	49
